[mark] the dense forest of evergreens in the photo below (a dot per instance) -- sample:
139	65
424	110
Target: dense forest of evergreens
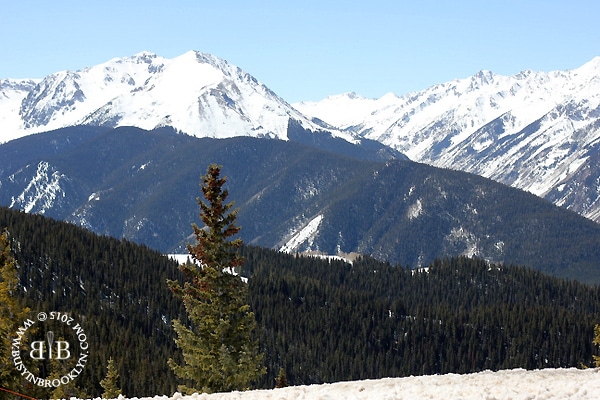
116	289
319	320
325	322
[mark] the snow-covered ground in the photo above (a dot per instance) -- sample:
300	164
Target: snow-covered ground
517	384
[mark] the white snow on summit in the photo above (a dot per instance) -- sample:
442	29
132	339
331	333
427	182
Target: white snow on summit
464	105
196	93
532	130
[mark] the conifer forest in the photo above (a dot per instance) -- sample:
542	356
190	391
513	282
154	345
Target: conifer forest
318	320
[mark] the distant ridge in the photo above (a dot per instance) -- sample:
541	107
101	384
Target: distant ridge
537	131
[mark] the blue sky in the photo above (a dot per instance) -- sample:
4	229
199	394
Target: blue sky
307	50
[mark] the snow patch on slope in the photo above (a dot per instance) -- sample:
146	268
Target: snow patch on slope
460	237
415	210
305	234
41	191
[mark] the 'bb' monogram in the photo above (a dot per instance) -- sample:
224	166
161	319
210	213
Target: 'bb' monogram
57	350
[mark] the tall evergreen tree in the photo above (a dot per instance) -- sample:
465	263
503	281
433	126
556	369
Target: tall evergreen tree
12	314
219	351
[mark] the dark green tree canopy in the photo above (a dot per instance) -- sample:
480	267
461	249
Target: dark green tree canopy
321	320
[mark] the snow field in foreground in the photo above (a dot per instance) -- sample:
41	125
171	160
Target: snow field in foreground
516	384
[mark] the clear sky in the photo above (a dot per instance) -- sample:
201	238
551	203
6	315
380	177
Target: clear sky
308	50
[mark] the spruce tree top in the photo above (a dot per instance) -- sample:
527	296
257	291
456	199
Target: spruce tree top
213	248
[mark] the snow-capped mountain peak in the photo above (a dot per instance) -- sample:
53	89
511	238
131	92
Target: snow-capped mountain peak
196	93
533	130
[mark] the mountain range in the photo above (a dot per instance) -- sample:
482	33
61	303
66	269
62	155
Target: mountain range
536	131
119	148
195	93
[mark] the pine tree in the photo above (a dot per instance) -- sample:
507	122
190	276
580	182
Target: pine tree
12	313
219	351
109	383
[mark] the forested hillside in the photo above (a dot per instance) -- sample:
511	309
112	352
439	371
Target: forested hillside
320	320
115	289
330	321
142	185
